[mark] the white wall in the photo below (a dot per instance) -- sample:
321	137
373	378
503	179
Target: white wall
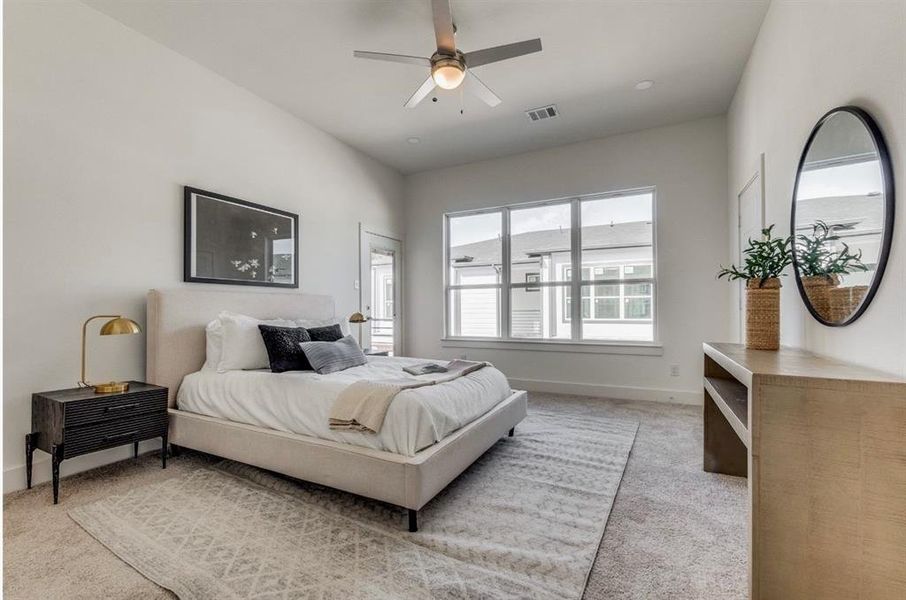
103	127
810	57
687	163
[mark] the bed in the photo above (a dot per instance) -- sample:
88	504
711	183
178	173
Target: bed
407	466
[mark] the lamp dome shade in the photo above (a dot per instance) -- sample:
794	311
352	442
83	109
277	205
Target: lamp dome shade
357	317
119	326
448	74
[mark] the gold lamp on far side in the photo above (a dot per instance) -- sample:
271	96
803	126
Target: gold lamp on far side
358	318
117	325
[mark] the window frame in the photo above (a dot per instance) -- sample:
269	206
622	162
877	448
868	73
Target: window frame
505	286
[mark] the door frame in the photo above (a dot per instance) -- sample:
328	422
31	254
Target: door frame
756	179
367	238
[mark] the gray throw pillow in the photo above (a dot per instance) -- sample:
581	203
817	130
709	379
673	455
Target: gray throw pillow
330	357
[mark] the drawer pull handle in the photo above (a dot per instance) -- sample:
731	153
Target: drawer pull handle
117	436
122	406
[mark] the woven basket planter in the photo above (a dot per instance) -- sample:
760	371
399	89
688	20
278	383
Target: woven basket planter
763	314
817	289
843	302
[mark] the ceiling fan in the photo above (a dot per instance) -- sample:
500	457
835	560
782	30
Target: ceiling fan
449	66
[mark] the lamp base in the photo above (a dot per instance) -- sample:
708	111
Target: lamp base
113	387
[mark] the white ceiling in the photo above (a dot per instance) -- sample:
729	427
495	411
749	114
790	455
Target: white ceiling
298	55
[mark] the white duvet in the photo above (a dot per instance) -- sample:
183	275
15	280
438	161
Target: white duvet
299	402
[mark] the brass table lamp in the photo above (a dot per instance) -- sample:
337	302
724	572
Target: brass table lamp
117	325
358	318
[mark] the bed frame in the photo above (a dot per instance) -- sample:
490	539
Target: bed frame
176	322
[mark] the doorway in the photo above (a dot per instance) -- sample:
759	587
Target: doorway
381	293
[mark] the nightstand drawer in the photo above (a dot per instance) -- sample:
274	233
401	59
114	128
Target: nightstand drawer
115	406
107	434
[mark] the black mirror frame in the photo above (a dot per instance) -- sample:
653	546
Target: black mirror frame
889	205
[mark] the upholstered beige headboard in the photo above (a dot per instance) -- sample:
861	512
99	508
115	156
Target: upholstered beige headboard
177	318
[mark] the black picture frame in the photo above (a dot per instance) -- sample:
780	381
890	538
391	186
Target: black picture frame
889	205
223	232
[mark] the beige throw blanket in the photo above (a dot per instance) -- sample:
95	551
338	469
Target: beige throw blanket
363	405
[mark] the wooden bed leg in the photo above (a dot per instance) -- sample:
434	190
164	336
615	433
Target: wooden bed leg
512	432
413	520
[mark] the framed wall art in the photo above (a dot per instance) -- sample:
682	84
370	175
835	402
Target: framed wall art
232	241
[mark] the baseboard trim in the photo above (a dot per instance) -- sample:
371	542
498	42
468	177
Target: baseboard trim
618	392
14	477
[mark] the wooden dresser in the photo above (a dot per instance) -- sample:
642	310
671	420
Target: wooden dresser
823	444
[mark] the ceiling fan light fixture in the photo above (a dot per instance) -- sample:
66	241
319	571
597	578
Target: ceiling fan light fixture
448	73
449	65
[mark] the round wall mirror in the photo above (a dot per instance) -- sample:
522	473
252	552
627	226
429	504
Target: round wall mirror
842	215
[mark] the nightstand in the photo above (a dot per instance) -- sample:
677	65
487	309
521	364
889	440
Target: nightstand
76	421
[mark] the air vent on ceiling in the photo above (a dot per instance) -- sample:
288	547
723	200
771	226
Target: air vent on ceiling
545	112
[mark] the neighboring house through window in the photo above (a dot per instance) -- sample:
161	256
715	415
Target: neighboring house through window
388	296
610	301
510	270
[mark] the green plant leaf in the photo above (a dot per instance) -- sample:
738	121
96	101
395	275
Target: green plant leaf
763	259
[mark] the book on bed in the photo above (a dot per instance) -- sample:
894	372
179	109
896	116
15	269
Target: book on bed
425	369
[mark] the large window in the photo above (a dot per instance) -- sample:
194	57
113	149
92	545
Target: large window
509	270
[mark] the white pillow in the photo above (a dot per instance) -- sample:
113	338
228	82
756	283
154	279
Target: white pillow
213	345
243	346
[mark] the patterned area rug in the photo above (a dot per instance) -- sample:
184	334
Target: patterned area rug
524	521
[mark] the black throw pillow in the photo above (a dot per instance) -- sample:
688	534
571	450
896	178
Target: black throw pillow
283	350
328	333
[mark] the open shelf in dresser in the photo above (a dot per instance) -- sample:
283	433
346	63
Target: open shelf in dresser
726	416
732	398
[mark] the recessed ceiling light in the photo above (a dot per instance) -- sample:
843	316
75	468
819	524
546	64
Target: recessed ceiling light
644	84
413	140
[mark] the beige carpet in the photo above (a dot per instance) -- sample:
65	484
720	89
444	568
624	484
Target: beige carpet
675	532
523	522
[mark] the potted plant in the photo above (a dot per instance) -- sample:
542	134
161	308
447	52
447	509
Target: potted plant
820	268
765	260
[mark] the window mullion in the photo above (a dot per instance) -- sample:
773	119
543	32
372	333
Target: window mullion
505	275
576	263
474	286
447	301
623	292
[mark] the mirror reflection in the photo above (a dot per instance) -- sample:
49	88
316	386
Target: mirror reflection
840	216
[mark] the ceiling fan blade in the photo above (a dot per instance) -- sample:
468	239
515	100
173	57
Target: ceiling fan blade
477	87
498	53
421	93
398	58
443	26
